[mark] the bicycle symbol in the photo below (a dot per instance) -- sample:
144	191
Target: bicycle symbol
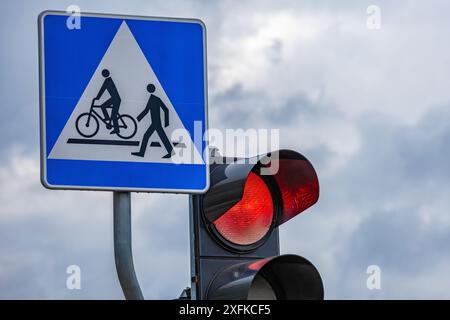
87	124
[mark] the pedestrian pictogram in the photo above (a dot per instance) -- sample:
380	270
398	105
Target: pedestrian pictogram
154	106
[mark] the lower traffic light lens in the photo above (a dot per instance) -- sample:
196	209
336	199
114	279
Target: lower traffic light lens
285	277
249	220
261	289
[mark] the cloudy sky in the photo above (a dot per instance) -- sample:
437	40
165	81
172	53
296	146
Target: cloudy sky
369	108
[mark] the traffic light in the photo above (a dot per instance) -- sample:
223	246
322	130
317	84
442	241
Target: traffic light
234	229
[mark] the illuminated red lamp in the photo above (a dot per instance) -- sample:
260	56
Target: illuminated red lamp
249	220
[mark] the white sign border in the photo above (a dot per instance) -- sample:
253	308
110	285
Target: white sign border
43	147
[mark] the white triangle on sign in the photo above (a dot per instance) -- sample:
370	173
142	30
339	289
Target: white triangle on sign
131	73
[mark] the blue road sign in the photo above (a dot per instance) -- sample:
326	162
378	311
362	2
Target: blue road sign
123	103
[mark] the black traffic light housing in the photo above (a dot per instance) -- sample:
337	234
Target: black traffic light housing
252	269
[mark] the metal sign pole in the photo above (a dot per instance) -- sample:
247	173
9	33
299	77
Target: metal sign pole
122	246
192	241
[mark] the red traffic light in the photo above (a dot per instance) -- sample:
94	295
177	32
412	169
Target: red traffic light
235	227
245	202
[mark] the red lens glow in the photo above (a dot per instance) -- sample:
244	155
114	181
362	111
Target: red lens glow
249	220
299	187
258	264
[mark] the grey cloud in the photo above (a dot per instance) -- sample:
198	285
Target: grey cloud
383	201
391	185
35	253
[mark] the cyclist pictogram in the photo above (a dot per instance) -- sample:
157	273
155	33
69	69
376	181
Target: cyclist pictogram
88	123
124	125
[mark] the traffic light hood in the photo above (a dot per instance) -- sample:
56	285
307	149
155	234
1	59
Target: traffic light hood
291	177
